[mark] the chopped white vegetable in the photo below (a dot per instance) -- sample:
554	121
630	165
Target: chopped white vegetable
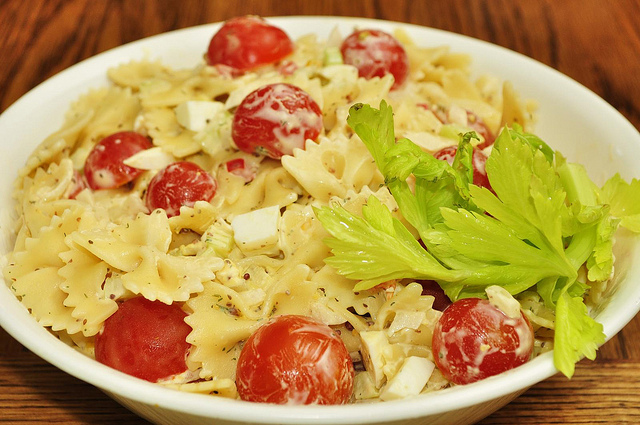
139	125
322	313
406	319
229	275
364	387
340	73
219	237
429	141
374	344
113	287
257	229
410	379
196	114
253	297
457	115
150	159
504	301
335	38
332	56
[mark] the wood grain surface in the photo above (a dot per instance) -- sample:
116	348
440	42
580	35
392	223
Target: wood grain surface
596	42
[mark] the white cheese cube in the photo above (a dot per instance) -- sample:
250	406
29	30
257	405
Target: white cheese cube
257	229
410	379
194	115
150	159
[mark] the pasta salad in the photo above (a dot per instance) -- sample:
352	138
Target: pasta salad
252	228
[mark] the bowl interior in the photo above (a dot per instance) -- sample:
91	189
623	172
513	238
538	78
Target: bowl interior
570	118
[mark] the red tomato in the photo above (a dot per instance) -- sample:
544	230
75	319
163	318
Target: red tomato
248	42
288	68
104	168
146	339
180	183
474	340
431	287
239	167
376	53
275	119
235	165
479	159
295	360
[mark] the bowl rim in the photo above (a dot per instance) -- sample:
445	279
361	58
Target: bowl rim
45	345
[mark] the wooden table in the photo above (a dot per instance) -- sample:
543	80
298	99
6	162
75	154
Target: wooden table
595	42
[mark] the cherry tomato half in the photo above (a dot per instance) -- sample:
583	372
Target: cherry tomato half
146	339
248	42
376	53
474	340
295	360
104	167
275	119
180	183
478	159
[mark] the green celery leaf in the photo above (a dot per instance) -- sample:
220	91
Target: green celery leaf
624	199
542	223
577	335
375	129
582	217
582	191
547	288
406	158
463	161
600	263
377	247
577	184
422	208
437	183
432	197
487	240
577	289
531	198
536	143
519	224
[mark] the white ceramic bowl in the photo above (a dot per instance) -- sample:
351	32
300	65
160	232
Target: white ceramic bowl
571	119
